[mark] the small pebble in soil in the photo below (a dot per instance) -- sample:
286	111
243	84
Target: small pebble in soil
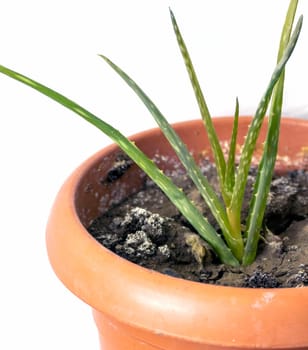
300	278
119	167
170	272
141	219
163	252
139	244
260	279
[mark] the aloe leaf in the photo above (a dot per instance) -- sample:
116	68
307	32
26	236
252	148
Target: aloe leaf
194	172
175	194
267	164
230	168
216	148
234	211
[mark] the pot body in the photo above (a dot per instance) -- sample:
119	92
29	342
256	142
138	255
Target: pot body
135	308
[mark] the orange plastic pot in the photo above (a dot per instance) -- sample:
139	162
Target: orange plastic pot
138	309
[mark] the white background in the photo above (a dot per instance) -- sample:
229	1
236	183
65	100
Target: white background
233	45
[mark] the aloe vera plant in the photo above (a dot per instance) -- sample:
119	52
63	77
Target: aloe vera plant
236	245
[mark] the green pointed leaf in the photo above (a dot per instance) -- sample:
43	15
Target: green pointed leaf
230	169
267	164
214	141
254	129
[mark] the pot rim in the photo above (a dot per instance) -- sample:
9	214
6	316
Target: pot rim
99	277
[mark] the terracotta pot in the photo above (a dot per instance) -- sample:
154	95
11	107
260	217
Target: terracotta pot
135	308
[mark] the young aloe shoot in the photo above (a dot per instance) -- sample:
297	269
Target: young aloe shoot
235	247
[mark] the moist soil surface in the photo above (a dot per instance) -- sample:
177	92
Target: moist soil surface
148	230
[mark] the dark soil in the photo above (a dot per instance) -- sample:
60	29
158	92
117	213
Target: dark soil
149	231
